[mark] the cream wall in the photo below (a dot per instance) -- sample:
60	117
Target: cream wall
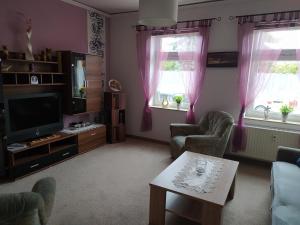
220	91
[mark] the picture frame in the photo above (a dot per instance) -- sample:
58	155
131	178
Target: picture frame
222	59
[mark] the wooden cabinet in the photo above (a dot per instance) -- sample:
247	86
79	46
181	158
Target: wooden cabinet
115	116
84	88
91	139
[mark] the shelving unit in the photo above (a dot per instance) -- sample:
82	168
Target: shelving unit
115	116
18	72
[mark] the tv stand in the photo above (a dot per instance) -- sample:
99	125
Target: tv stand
42	154
44	139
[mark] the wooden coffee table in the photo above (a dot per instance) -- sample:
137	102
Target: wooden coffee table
198	208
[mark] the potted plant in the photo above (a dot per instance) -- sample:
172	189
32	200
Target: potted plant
178	99
82	91
285	110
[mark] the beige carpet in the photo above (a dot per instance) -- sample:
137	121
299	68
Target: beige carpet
109	186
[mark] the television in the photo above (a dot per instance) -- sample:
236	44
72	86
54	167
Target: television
32	116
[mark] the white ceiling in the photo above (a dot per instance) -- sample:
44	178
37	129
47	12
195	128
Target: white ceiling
118	6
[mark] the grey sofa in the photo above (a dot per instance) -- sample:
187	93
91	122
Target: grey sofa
286	188
28	208
209	137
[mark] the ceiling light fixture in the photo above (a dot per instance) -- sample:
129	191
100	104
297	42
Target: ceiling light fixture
158	13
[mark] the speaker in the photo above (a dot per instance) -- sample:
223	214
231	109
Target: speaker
2	128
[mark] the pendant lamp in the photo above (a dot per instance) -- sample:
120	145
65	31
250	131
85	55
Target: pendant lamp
158	13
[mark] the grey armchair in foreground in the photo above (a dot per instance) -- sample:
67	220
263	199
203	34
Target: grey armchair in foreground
29	208
209	137
285	186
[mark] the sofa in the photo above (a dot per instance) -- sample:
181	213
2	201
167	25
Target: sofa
209	137
285	187
28	208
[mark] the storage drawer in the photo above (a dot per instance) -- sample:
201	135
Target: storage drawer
29	167
64	154
91	139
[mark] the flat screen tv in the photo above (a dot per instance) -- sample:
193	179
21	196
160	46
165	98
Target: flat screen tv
32	116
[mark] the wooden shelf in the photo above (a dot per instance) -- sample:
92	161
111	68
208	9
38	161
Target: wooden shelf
55	149
43	73
32	85
184	207
29	158
172	219
31	61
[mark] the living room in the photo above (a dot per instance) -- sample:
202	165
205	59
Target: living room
101	120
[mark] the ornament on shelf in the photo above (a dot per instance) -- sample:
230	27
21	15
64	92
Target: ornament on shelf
48	54
5	52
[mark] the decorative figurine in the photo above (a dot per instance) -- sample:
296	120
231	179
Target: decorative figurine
49	54
5	52
43	56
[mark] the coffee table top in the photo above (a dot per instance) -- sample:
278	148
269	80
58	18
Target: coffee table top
222	185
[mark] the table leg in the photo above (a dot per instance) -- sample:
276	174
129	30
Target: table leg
232	190
157	206
212	214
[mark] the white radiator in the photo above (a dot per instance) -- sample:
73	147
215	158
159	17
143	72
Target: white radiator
262	143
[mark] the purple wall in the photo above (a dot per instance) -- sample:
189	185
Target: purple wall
56	25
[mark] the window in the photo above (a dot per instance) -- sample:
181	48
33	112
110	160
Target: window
282	86
174	72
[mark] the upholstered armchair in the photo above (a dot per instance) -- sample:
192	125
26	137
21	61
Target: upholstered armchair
209	137
29	208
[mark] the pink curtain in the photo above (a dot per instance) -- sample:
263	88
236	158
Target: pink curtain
255	61
150	74
193	80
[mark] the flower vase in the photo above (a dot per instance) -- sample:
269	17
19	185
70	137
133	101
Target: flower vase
178	106
28	53
284	117
165	102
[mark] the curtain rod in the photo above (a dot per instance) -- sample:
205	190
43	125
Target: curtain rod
189	21
263	14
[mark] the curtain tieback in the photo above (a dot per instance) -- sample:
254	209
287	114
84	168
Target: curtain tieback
191	107
243	109
147	103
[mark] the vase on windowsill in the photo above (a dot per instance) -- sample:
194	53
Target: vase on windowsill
178	106
284	117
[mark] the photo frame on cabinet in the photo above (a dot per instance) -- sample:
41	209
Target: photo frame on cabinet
222	59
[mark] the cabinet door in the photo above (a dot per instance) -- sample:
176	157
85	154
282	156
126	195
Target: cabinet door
93	96
93	67
93	83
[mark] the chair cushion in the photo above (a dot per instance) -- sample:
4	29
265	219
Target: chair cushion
298	162
286	215
177	146
179	141
286	185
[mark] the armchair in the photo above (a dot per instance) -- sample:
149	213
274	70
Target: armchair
29	208
209	137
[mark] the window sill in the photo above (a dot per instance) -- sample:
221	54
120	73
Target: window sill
168	108
272	124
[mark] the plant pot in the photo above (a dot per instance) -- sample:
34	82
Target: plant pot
178	106
284	117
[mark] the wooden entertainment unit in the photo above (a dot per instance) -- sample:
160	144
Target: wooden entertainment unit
54	76
41	155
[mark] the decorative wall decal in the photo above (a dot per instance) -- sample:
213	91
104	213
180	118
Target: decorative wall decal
96	39
96	33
